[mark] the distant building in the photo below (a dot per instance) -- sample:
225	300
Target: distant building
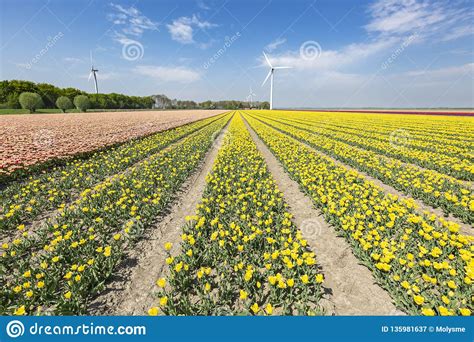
161	102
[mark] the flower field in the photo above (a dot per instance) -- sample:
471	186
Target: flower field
68	231
23	202
56	267
432	187
426	265
241	252
29	140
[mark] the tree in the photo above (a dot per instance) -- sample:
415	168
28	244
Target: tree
30	101
71	92
64	103
82	102
49	93
13	101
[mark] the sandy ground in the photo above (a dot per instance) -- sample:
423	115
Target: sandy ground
131	290
36	138
351	288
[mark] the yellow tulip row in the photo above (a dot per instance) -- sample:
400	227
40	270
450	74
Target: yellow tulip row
241	253
427	267
66	261
433	188
453	130
397	147
401	137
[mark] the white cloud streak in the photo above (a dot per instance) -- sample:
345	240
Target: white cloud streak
439	20
275	44
332	59
182	29
131	20
168	74
391	22
458	32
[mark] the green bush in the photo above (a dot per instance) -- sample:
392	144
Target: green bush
64	103
82	103
30	101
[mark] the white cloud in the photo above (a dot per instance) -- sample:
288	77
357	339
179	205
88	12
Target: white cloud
168	74
458	32
398	17
72	60
181	32
23	65
124	40
275	44
447	72
332	59
133	22
182	29
444	87
130	22
202	5
393	22
435	19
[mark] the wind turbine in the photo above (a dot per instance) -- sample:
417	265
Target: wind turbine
93	73
270	74
250	97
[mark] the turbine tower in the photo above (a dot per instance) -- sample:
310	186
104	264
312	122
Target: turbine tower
250	97
93	73
270	75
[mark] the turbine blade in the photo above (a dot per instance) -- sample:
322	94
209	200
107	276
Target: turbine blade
283	67
266	78
90	75
268	61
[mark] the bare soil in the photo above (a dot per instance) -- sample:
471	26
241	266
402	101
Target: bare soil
350	286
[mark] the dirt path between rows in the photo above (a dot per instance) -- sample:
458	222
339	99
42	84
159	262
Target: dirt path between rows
132	287
464	227
351	288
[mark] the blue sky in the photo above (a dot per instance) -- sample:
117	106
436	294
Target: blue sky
381	53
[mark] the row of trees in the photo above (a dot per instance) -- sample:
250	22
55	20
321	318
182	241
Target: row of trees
51	96
163	102
10	92
32	101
